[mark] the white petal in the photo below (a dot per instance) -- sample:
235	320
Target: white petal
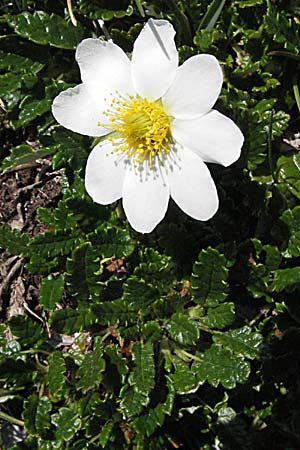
77	110
192	187
104	63
154	59
213	136
145	201
195	89
104	174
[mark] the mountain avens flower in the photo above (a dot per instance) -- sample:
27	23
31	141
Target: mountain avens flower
158	123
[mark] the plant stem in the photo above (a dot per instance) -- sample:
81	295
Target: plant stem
140	8
11	419
270	146
296	94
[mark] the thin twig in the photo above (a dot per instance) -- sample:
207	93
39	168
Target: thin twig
7	280
11	419
105	30
70	9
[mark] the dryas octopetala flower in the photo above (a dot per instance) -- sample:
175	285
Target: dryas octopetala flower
159	124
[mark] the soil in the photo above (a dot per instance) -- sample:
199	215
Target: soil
23	191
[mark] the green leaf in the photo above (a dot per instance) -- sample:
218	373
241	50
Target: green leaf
155	269
26	329
284	278
31	109
105	433
83	270
132	401
90	370
13	62
70	321
67	424
115	311
13	241
9	82
51	291
23	154
220	316
117	360
142	375
65	142
288	173
240	341
41	28
208	282
226	414
51	244
184	378
212	14
56	376
247	3
36	414
219	365
182	329
292	219
112	241
146	424
138	295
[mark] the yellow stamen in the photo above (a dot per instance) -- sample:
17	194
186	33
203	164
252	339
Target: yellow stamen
143	125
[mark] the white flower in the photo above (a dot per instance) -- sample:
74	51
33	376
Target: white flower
162	128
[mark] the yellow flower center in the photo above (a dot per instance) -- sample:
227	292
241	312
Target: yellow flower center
143	125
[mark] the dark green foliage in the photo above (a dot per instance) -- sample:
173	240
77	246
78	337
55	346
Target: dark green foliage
43	29
185	338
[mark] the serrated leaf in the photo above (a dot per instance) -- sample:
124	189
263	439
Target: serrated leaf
70	321
288	172
247	3
29	331
154	269
219	365
116	359
142	375
292	218
13	62
41	28
284	278
67	424
115	311
83	270
226	414
56	376
44	444
90	370
209	278
36	414
13	241
65	142
138	295
9	82
184	378
240	341
147	423
23	154
112	241
51	244
30	110
132	401
182	329
51	291
220	316
105	433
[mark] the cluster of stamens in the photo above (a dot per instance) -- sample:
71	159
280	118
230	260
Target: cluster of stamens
142	125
